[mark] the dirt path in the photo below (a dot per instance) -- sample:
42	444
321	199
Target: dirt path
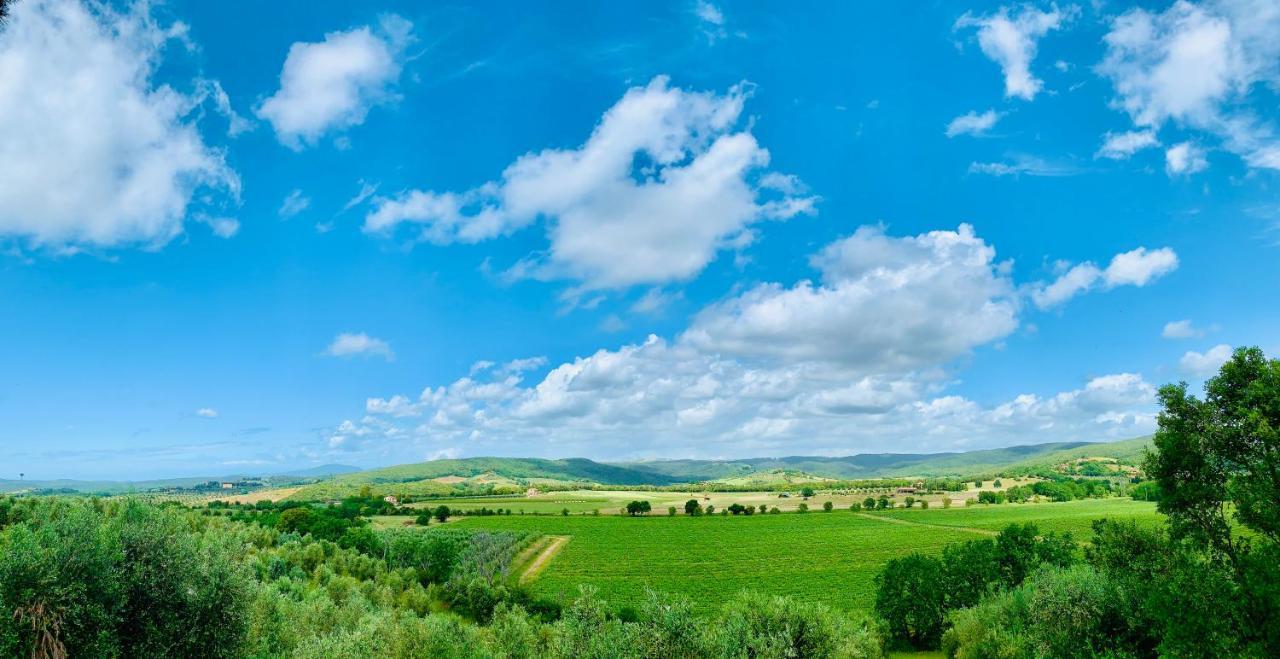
549	552
894	520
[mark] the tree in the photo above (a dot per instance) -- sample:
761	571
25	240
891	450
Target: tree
442	513
638	507
869	503
827	506
909	501
924	504
802	507
295	520
1222	450
806	492
763	508
882	502
671	511
711	509
911	600
564	512
423	519
692	507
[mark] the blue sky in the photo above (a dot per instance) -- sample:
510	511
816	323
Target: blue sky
252	237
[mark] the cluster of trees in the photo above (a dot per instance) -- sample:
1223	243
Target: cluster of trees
915	593
1205	584
1054	488
638	508
82	577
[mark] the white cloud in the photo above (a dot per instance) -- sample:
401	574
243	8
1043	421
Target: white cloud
1181	329
1020	164
973	123
1121	146
294	203
1207	363
1137	267
1140	267
1010	40
1201	66
853	363
207	413
884	304
663	184
1185	158
709	12
222	227
366	191
356	344
92	153
330	86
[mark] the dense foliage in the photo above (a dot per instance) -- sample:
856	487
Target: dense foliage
82	577
1207	585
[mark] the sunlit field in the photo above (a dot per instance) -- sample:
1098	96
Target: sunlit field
828	557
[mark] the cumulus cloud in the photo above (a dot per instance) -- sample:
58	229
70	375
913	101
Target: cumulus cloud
358	344
1181	329
1121	146
207	413
92	152
294	203
1185	158
330	86
1207	363
856	361
665	181
973	123
1011	39
933	297
1203	66
1138	267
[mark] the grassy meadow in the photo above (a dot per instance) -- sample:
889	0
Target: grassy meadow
828	557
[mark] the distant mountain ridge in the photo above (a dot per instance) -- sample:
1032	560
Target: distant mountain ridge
672	472
122	487
333	478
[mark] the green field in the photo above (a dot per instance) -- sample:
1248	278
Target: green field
829	557
1073	516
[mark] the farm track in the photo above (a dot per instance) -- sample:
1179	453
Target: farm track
894	520
548	552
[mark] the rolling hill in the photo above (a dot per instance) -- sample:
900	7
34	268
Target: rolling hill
466	475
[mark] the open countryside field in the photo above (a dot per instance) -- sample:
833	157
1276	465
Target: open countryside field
827	557
611	502
1073	516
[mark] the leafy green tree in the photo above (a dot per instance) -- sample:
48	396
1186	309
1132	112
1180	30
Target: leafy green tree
806	492
692	507
802	507
671	511
909	501
911	600
827	506
1221	454
882	503
869	503
423	519
442	513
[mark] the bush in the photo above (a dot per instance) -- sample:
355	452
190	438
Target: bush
755	625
